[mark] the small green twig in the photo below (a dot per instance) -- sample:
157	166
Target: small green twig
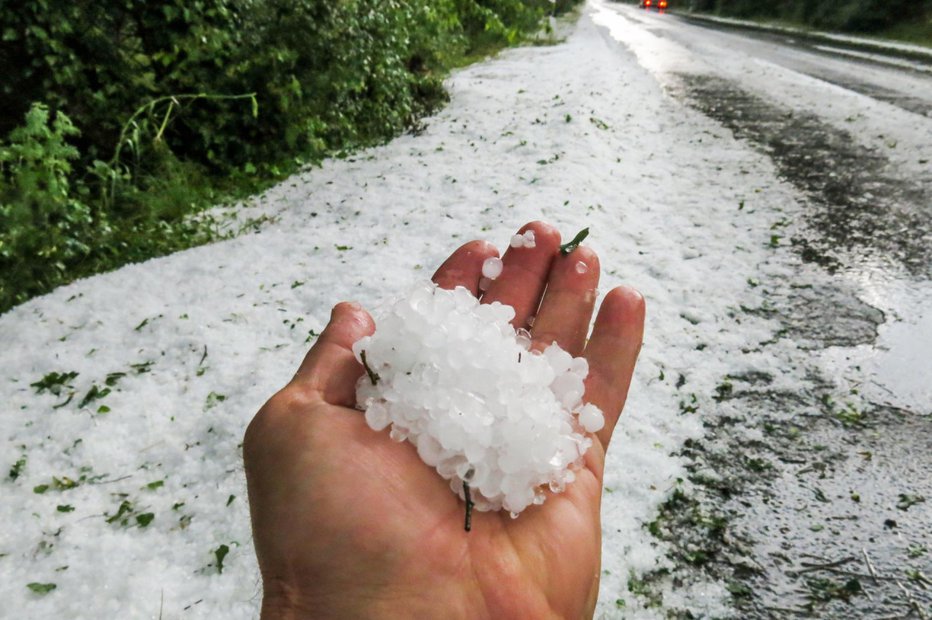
469	505
168	114
566	248
373	376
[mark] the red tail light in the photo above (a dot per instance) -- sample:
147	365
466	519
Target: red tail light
647	2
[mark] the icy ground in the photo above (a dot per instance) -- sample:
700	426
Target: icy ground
126	395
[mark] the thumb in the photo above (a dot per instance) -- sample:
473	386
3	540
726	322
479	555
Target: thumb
330	368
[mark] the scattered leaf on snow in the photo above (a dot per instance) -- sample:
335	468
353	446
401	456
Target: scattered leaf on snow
41	588
53	382
220	553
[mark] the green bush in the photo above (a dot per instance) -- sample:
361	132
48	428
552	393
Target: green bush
44	223
865	16
54	227
181	101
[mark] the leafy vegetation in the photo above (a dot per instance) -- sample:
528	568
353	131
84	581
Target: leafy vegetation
122	120
892	17
17	469
219	554
53	382
127	514
568	247
41	588
59	484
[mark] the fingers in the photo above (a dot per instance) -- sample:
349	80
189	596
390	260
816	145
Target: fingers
330	368
525	272
567	306
612	352
464	267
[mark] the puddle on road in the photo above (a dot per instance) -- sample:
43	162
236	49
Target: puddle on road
896	368
905	362
823	316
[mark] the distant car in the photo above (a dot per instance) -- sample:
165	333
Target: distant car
648	4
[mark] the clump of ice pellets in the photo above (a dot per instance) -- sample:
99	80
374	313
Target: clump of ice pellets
525	240
457	381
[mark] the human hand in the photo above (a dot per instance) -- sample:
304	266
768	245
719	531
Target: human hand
350	524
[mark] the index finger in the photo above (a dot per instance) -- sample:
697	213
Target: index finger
464	267
524	273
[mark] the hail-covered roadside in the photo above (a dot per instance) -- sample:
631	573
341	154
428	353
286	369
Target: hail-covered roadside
127	394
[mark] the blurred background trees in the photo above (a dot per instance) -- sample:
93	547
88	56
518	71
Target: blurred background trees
856	16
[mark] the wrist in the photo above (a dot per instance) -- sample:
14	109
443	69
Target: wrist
274	609
278	606
282	602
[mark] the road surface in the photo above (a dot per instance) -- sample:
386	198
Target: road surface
822	511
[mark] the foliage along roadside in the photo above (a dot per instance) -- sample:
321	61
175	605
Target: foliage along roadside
124	120
907	19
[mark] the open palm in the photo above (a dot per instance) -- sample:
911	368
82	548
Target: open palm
350	524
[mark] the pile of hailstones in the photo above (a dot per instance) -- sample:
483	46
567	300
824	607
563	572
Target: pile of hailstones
455	379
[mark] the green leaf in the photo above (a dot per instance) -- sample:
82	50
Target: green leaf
53	382
145	519
64	483
17	469
65	508
93	394
599	123
40	489
213	399
155	485
41	588
113	378
126	508
220	553
567	248
907	500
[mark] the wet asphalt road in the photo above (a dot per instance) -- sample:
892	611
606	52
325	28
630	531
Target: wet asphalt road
903	82
828	513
